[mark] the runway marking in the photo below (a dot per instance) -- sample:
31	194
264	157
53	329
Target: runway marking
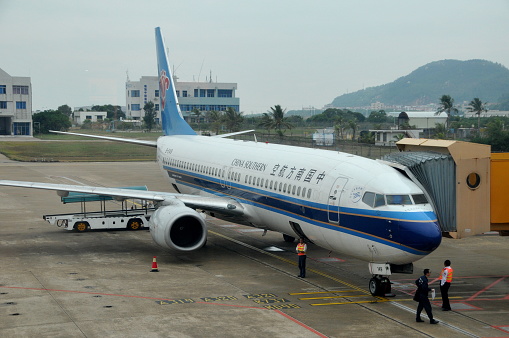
161	301
474	296
313	293
300	323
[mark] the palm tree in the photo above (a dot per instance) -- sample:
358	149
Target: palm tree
232	119
353	125
340	126
266	122
215	118
197	115
477	106
446	105
277	118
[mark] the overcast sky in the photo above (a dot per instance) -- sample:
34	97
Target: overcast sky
292	53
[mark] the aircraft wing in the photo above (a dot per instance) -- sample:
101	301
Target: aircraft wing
223	205
109	138
234	133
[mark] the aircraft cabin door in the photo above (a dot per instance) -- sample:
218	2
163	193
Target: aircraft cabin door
225	177
334	198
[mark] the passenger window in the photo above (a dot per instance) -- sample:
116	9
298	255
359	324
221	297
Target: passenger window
270	187
284	188
293	190
309	193
280	186
258	182
250	178
303	192
298	191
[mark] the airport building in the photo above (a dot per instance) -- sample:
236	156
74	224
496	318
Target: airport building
204	96
15	105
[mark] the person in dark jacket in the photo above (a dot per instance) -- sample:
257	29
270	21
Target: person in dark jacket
422	291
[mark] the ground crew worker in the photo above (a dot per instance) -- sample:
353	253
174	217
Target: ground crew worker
445	283
422	291
301	251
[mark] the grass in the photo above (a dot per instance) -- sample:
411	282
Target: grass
76	151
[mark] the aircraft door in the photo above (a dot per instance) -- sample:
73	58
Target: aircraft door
334	198
226	177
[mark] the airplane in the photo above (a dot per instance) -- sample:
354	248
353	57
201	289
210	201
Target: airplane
344	203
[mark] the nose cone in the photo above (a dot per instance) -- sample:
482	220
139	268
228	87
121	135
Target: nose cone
424	236
431	237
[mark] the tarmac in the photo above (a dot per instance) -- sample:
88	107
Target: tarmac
59	283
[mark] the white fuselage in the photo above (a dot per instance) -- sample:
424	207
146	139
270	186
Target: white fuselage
306	192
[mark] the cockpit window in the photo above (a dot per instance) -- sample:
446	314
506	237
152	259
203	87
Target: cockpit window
398	199
420	199
379	200
369	198
373	200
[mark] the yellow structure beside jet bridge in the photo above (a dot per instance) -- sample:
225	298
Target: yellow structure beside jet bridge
471	184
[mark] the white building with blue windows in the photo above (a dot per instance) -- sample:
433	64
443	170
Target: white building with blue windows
204	96
15	105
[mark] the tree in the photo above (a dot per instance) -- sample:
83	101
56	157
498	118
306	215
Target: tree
150	115
52	120
266	122
354	126
65	109
275	119
377	116
446	105
232	119
440	131
215	118
197	116
477	106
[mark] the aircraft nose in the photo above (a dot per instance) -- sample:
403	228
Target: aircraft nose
423	236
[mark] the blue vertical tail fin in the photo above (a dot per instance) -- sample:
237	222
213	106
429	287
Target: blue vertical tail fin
173	122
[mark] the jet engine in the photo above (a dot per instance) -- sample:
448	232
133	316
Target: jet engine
178	227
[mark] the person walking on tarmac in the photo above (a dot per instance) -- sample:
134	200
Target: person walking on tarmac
445	283
422	292
301	251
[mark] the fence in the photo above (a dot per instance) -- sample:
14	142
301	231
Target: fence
361	149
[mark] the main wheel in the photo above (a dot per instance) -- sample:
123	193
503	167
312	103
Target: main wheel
81	226
288	239
134	224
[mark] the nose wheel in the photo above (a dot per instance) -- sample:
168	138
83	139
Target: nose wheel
380	286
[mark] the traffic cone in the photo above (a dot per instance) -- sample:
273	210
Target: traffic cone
154	265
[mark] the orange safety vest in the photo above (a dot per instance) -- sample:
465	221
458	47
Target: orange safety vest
300	249
449	274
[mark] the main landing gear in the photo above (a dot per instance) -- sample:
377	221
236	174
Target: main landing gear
380	286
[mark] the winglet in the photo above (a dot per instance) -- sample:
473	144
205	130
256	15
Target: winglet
173	122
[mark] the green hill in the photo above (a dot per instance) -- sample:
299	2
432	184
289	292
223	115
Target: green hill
462	80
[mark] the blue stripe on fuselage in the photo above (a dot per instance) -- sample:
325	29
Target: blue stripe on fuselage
393	228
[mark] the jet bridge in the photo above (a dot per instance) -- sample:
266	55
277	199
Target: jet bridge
455	176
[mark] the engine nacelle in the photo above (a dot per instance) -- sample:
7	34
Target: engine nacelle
178	227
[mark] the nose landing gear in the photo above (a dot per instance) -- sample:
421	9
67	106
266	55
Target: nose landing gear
380	286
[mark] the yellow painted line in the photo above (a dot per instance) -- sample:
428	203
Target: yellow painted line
380	300
314	293
360	302
354	296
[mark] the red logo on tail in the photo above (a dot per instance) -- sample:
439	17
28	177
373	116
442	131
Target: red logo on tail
164	84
